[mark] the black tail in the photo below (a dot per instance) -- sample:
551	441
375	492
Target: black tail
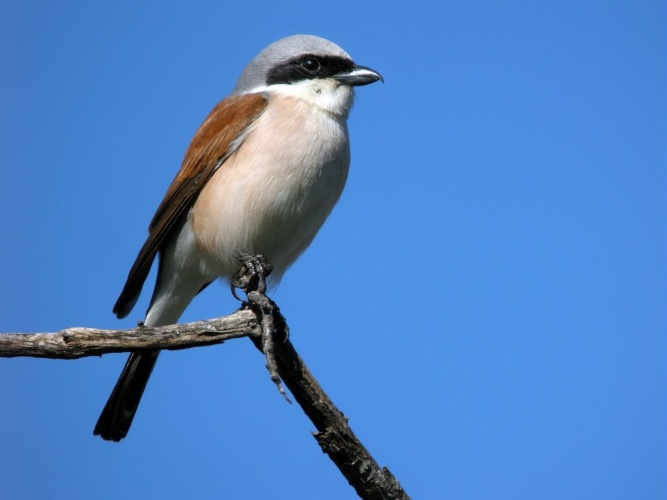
118	413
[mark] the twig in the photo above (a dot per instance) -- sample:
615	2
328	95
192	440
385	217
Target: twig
251	278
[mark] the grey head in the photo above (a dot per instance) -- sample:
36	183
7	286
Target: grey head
299	57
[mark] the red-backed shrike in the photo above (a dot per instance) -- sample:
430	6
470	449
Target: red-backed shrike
260	176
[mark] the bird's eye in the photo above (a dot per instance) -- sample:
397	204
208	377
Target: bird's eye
311	65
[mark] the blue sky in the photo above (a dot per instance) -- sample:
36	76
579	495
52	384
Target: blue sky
486	303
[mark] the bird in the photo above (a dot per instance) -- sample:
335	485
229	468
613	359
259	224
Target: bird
260	176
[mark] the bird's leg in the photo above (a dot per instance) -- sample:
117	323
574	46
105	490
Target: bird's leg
251	278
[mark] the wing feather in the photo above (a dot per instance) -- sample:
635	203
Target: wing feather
217	138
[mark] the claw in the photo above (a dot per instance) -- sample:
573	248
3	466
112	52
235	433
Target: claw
251	275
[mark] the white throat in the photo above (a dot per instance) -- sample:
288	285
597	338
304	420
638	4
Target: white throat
327	94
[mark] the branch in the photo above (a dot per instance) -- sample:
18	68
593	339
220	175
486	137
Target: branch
334	435
73	343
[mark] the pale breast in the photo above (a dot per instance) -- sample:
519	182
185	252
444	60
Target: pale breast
275	192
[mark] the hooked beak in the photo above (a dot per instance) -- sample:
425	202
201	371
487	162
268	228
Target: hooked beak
359	75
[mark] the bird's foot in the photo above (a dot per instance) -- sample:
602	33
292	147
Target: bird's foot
252	274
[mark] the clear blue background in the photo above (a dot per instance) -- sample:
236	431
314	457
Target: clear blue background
486	303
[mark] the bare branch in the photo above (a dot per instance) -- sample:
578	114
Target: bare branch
334	434
335	437
73	343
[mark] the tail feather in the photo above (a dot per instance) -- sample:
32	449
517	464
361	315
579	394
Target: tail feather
179	279
118	413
